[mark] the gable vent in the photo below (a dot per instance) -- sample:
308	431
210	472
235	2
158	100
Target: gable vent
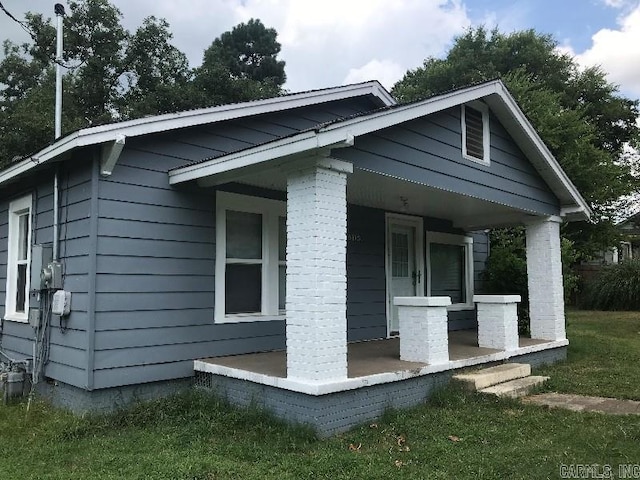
474	133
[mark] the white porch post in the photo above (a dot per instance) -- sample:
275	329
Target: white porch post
424	335
316	305
544	270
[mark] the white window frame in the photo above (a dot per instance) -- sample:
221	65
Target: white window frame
453	239
270	210
486	134
18	208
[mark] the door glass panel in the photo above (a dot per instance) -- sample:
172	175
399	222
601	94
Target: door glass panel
243	288
448	271
244	235
399	255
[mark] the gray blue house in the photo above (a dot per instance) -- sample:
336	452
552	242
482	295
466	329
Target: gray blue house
317	253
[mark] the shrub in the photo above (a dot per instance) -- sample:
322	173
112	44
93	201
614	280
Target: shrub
617	287
506	269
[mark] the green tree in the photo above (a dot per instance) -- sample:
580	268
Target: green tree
581	117
241	65
113	74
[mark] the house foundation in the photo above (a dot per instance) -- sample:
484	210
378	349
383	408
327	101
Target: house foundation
338	411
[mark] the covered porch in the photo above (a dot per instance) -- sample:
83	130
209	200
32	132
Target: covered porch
318	357
408	164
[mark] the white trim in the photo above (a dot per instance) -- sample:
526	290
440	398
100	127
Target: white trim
279	149
453	239
171	121
495	95
18	208
497	298
422	301
270	210
408	221
486	136
110	154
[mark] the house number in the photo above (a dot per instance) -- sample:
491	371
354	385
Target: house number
354	237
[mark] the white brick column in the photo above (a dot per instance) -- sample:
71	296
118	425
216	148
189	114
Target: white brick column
498	321
424	335
316	304
544	270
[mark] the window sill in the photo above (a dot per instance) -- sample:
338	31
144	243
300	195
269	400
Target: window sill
16	317
481	161
248	318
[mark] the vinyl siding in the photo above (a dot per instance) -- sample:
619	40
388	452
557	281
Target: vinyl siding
68	349
429	151
155	258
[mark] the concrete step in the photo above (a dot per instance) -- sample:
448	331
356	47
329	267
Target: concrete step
515	388
488	377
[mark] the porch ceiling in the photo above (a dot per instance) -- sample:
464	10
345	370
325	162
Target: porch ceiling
370	189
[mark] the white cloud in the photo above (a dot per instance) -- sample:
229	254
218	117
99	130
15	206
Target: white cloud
385	71
616	3
324	42
616	50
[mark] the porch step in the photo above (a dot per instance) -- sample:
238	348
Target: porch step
487	377
515	388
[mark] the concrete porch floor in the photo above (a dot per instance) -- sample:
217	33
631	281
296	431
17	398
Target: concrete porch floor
365	358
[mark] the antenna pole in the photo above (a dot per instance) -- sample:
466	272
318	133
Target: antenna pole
59	10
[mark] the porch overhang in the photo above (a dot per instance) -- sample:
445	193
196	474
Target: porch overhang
264	158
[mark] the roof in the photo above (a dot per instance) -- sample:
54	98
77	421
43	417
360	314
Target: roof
342	132
115	132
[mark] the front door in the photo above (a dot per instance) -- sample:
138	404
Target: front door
404	263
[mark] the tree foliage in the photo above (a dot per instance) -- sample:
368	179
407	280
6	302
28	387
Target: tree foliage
581	117
113	74
241	65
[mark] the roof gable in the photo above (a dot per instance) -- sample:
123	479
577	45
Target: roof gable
342	133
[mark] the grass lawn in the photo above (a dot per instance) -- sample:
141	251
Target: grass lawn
603	357
455	435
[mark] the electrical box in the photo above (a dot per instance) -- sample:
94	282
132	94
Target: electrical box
41	256
61	304
34	317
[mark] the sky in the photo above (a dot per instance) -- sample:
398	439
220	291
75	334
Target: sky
334	42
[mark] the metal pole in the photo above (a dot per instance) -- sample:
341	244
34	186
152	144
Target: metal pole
59	10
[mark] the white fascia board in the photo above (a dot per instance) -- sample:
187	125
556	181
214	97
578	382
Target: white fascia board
301	143
171	121
547	156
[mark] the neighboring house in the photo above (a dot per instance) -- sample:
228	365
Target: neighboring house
627	249
280	225
630	246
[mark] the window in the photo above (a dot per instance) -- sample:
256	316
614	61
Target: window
450	268
18	259
251	235
475	133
